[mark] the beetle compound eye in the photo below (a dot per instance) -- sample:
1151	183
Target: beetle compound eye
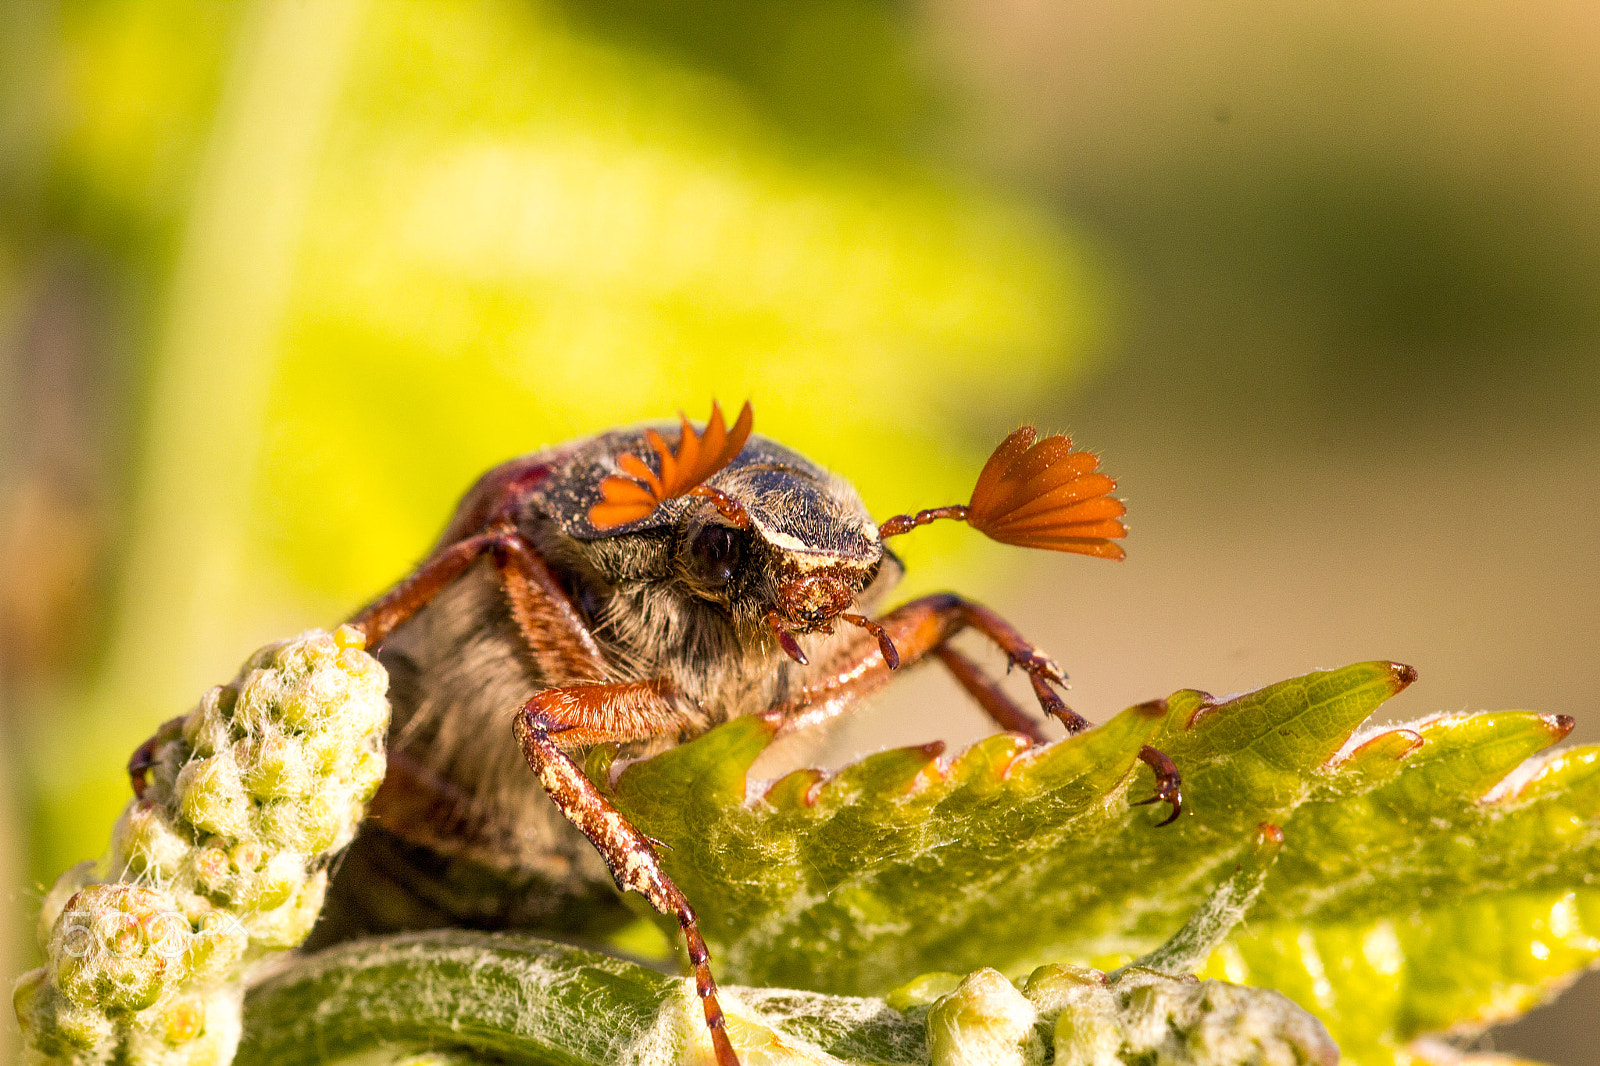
715	551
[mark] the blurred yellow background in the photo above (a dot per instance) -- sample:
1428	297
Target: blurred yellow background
278	279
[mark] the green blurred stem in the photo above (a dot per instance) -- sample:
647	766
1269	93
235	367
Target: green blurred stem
210	374
213	364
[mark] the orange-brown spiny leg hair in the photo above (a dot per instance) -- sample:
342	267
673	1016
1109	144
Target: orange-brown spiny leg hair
559	644
586	714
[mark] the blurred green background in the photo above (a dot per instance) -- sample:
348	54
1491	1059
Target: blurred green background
279	278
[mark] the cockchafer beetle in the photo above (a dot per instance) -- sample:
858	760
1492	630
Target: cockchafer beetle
623	589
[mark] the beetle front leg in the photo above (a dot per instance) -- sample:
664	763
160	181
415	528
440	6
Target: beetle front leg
1041	669
628	853
1000	708
925	626
1042	672
1007	715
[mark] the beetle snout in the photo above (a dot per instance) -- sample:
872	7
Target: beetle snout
812	599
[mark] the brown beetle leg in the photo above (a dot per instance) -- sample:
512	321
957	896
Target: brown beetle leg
995	703
555	634
1041	669
584	714
580	714
1019	651
920	628
551	627
891	654
786	641
925	626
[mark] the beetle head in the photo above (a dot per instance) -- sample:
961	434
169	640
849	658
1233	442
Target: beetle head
756	530
763	532
806	546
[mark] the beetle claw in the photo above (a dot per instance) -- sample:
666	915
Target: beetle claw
891	654
1169	784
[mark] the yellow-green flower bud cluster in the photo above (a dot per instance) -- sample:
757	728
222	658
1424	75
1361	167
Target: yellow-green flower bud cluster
1075	1016
223	861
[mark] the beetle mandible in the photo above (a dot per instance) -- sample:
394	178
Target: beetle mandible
624	589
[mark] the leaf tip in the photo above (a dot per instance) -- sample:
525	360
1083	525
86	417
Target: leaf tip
1206	704
799	789
933	770
1403	675
1370	748
1153	708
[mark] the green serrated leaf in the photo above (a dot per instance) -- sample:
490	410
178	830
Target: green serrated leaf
904	864
1420	896
1417	889
891	863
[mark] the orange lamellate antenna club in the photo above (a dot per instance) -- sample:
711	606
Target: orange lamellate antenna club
638	491
1045	495
1037	495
